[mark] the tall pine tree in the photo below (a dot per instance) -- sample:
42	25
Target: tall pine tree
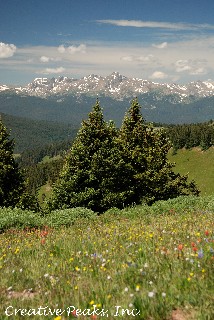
11	180
12	185
145	148
94	174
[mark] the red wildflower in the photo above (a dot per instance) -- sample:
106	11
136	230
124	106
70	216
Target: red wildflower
180	247
43	241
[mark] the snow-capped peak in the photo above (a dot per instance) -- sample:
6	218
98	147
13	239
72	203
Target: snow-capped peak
116	86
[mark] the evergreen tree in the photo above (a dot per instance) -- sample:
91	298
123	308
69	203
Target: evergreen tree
11	180
12	185
94	174
145	148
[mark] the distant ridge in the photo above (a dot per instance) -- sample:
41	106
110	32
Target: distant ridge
64	99
115	85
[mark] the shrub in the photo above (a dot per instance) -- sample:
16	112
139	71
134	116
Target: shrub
67	217
18	218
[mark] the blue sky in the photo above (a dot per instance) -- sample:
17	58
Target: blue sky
157	40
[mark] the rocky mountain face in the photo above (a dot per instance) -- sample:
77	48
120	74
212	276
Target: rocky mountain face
69	100
115	86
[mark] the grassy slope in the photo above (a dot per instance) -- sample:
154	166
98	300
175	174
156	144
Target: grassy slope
200	166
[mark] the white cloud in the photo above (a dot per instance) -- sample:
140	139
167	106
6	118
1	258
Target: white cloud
72	49
193	67
144	59
81	48
156	24
52	70
159	75
44	59
184	60
7	50
162	45
198	71
61	49
182	65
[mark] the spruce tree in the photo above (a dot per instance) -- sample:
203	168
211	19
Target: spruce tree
94	174
13	192
145	148
11	180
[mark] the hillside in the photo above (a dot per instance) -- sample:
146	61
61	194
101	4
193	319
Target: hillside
199	165
31	134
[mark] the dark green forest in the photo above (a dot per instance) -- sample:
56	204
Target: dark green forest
35	135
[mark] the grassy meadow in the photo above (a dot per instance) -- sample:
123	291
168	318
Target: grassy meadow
137	263
198	164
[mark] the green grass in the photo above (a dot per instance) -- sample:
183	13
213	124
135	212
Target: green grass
199	165
155	260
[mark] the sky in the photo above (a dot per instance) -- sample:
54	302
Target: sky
157	40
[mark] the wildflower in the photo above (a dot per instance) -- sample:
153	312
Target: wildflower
91	302
109	277
74	314
180	247
151	294
43	240
163	294
126	289
58	318
200	253
211	251
206	232
9	289
137	288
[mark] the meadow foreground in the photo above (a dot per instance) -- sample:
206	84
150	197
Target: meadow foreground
125	264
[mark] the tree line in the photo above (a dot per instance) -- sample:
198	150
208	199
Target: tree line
191	135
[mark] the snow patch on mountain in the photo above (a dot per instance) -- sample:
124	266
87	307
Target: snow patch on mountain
116	86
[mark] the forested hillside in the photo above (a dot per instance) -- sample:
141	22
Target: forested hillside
192	135
35	135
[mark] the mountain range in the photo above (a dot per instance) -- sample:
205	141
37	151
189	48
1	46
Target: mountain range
69	100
